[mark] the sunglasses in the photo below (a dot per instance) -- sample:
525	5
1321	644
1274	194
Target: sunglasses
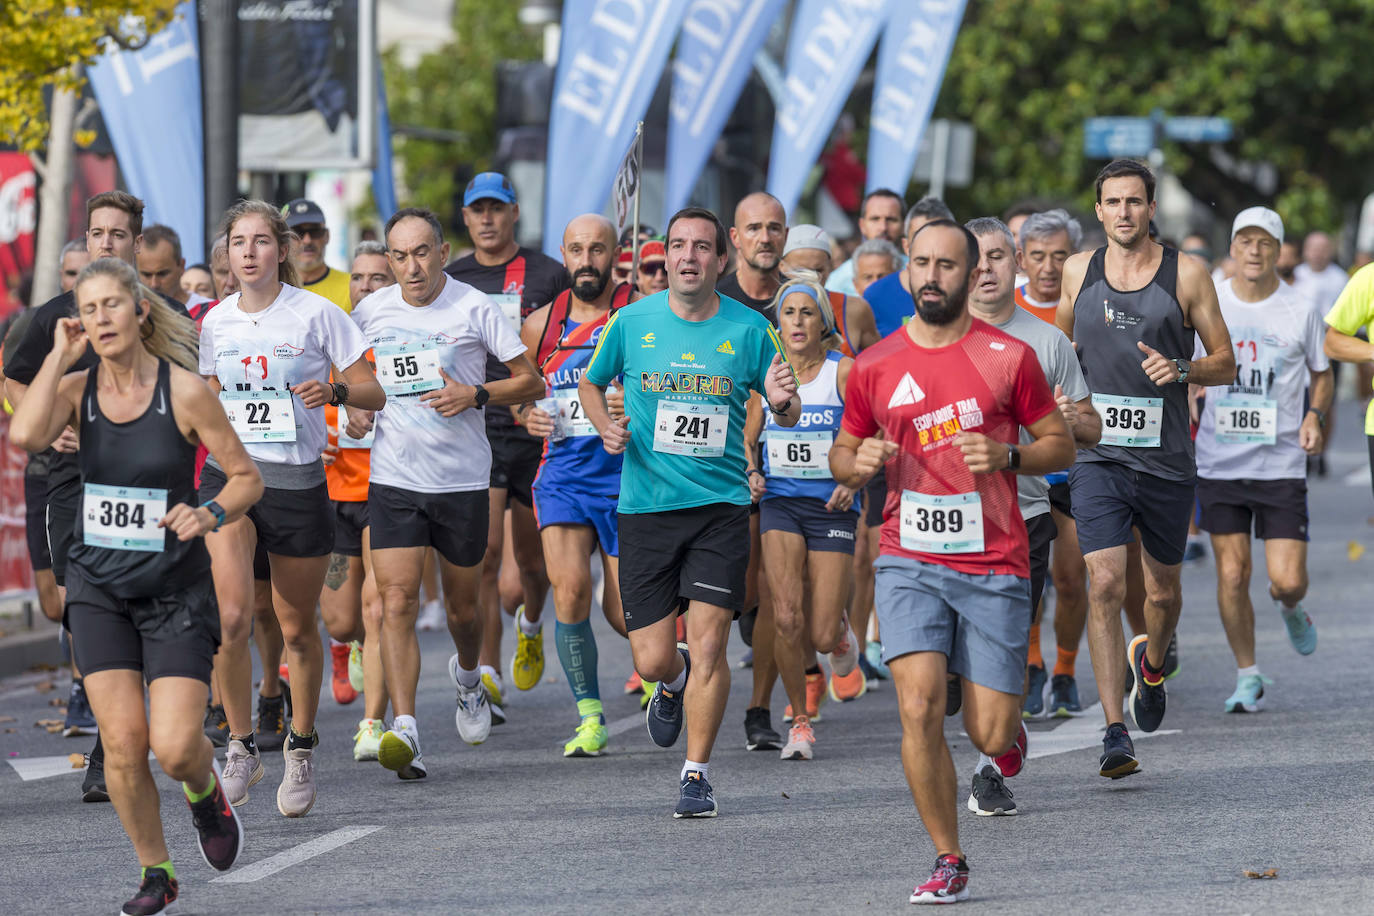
655	268
318	232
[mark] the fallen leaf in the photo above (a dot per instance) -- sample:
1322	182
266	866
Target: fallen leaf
551	679
6	718
785	795
57	701
44	686
10	731
78	761
1267	873
42	666
1354	550
54	729
49	723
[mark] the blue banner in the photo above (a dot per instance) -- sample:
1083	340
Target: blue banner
911	65
714	56
610	59
829	44
383	178
150	100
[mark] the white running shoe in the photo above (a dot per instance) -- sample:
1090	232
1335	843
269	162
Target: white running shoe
399	751
368	739
473	716
431	617
845	658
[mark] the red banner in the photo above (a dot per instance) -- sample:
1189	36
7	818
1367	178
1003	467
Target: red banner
18	209
16	573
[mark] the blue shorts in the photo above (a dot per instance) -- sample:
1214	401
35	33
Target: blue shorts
558	506
1110	499
807	516
980	622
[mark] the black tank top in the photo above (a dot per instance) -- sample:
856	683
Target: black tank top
1107	323
120	464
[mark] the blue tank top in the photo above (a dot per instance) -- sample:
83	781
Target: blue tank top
574	458
796	460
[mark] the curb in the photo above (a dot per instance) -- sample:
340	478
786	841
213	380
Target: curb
22	651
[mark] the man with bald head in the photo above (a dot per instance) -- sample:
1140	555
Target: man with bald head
1320	280
759	232
577	490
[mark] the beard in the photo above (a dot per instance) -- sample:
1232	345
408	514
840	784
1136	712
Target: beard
951	305
588	284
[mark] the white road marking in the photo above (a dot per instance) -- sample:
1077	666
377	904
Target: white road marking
1079	734
30	768
625	724
295	855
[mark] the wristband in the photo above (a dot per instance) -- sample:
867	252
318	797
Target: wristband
1321	416
779	411
340	394
753	471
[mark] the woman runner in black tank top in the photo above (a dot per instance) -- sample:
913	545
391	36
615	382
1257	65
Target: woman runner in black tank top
139	599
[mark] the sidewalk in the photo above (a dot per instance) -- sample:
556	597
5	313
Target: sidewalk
27	638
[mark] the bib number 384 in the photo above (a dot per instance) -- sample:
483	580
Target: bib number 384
942	524
123	518
685	428
1130	422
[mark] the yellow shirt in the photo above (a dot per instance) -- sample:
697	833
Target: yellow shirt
1352	311
334	287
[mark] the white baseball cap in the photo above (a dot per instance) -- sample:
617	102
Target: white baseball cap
806	236
1260	218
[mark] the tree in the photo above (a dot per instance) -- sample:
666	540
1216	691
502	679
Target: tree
454	89
41	40
1286	72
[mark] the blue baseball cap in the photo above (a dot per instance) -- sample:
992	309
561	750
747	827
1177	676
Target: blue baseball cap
489	184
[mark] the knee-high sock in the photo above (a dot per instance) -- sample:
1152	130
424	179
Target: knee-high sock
577	652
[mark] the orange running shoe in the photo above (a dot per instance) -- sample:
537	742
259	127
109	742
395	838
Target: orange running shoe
343	690
849	687
634	683
815	695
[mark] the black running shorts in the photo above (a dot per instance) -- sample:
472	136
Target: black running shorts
290	523
670	558
455	524
60	518
36	522
514	464
349	521
1041	532
1277	508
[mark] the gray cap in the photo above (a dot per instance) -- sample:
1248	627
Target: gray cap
806	236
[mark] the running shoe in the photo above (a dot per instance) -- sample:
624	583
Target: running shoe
216	726
343	690
473	715
874	653
801	741
431	617
270	735
849	687
399	751
1302	633
634	684
1249	695
870	673
218	829
527	665
747	620
80	718
93	785
1147	702
954	694
1011	762
845	657
747	659
495	688
948	882
1118	753
355	665
284	675
663	717
990	795
590	740
242	770
296	794
1034	707
155	895
695	798
367	739
1193	551
1171	666
1064	702
815	695
758	730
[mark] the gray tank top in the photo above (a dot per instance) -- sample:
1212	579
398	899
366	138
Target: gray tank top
1144	425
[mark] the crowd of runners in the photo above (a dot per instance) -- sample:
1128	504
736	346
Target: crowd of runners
874	467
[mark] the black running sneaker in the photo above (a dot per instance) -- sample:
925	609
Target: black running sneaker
758	730
80	719
93	786
954	694
155	894
219	829
664	715
1147	701
216	726
270	734
1118	753
695	798
990	795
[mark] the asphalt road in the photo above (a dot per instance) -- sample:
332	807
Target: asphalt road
512	827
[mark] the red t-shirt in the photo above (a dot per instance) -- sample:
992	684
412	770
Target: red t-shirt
987	382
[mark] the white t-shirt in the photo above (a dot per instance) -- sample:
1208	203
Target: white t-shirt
299	337
1324	288
416	449
1278	343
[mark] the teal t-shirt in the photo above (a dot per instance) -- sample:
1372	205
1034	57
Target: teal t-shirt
687	384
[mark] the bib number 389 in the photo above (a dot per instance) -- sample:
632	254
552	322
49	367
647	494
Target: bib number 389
685	428
942	524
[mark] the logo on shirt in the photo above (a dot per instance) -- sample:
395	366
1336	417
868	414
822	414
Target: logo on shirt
287	351
935	426
689	357
906	392
439	337
648	341
1119	318
726	348
685	383
997	345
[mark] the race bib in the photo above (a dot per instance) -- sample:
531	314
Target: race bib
1245	421
123	518
261	416
571	420
1130	422
942	524
509	303
799	453
408	368
683	428
347	441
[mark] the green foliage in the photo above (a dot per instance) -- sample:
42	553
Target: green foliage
454	89
1286	72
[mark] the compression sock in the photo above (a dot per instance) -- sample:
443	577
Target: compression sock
1065	663
1034	658
577	653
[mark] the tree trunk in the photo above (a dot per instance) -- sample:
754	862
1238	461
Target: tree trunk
54	199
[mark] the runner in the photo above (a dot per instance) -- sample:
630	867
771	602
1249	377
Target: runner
759	234
161	266
431	336
519	280
1354	310
889	298
807	519
993	299
808	248
684	498
874	259
653	268
140	598
267	351
1047	239
880	219
306	220
578	483
1131	307
949	394
1252	446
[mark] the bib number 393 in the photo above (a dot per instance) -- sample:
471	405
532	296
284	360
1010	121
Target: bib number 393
261	416
1245	421
942	524
1130	422
684	428
408	368
123	518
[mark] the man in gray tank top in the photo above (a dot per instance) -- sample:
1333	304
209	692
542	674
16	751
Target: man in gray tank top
1131	309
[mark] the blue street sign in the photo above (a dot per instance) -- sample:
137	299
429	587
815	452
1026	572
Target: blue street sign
1198	130
1109	138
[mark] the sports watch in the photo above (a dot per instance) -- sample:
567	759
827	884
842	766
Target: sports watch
1184	367
480	396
